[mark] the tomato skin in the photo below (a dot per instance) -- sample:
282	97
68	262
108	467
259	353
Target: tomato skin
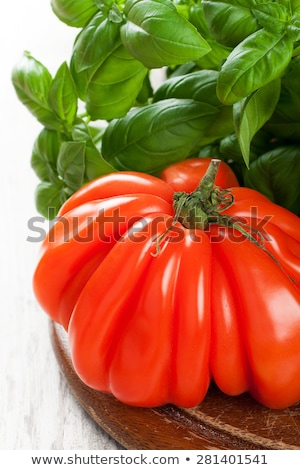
82	249
154	311
227	341
186	174
117	336
270	330
263	209
116	184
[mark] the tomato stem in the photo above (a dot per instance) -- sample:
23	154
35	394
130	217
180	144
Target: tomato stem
207	182
205	205
194	210
197	209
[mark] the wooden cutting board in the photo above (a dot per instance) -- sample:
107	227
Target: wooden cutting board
219	422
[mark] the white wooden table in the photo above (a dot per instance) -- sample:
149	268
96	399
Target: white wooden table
36	408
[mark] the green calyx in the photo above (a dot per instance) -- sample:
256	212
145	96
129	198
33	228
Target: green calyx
203	206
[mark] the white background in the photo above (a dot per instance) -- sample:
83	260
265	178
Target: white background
36	409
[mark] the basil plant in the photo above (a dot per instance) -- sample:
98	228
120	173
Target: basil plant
230	89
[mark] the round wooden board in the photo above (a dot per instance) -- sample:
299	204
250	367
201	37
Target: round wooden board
219	422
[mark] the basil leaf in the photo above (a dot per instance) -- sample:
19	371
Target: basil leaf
272	16
197	18
251	113
149	34
258	60
218	52
32	82
291	84
221	126
200	86
81	79
209	151
276	175
92	47
293	28
295	5
231	150
95	42
215	58
48	198
44	155
148	139
74	13
115	86
63	96
146	92
282	128
95	165
71	164
285	120
182	69
104	4
230	22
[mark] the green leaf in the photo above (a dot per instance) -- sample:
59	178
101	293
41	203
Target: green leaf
230	148
276	175
44	155
81	79
197	18
220	127
272	16
115	15
218	52
293	28
291	82
157	35
32	82
103	4
209	151
251	113
71	164
255	62
215	58
95	165
199	86
230	22
49	198
63	96
146	92
295	5
74	13
148	139
115	86
92	47
286	117
282	128
95	42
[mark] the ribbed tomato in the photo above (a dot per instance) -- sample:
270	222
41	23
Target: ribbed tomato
162	292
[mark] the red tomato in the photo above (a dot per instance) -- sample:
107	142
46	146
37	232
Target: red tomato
156	310
186	174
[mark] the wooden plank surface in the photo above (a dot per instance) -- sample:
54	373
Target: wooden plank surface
219	422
